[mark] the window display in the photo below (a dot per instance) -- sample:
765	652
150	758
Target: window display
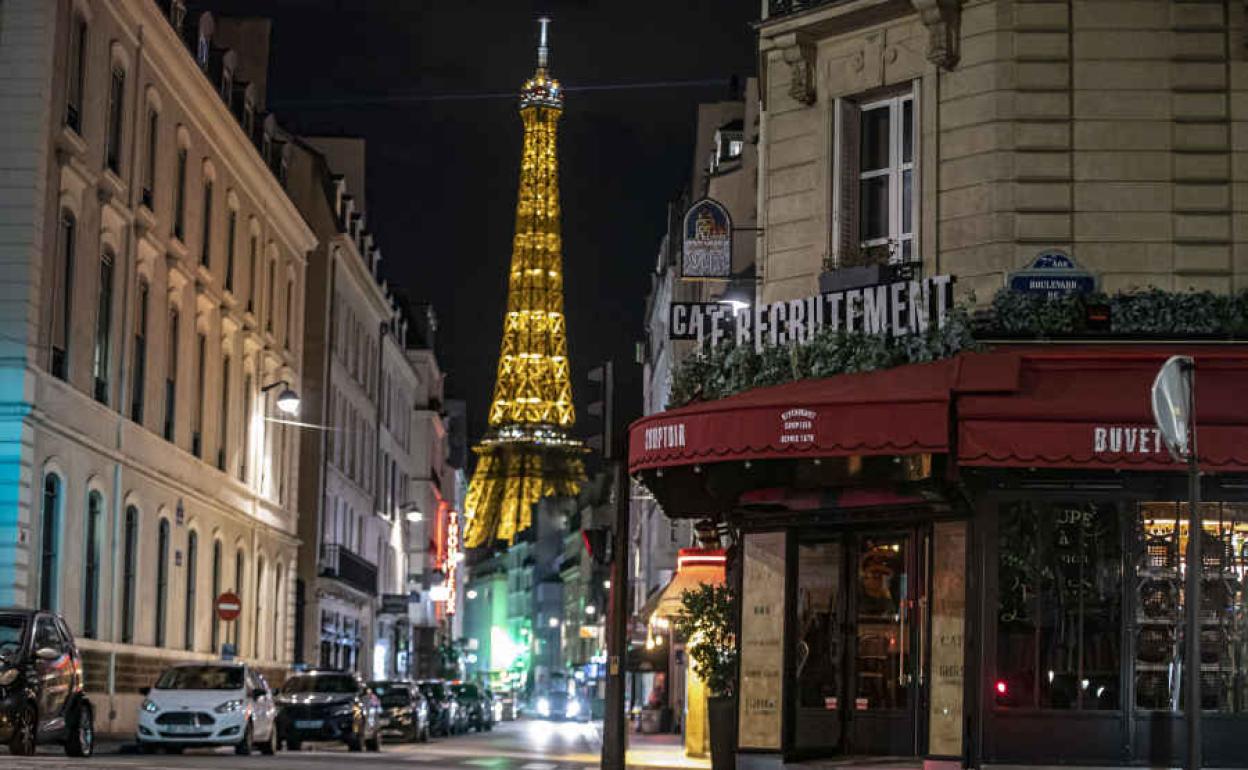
1160	617
1059	618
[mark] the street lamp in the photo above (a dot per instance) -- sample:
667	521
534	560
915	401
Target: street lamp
287	400
590	609
412	512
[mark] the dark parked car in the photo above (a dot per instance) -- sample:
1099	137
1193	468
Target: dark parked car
41	697
477	707
329	706
404	711
445	716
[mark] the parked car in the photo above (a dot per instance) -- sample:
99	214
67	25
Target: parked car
405	712
558	705
329	706
478	709
41	694
444	712
208	704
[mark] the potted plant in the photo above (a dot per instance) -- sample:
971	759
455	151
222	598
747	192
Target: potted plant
705	622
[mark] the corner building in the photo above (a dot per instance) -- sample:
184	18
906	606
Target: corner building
145	226
978	560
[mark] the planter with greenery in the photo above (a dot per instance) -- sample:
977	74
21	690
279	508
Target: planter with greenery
705	623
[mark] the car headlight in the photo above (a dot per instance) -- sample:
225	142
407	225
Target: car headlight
574	708
229	706
543	707
8	677
150	706
342	711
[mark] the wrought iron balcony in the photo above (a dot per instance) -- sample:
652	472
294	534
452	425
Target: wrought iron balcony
777	8
342	564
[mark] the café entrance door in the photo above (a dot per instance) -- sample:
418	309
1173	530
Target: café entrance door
859	630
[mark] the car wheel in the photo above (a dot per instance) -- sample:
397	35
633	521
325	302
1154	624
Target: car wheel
22	742
269	747
243	747
374	743
81	739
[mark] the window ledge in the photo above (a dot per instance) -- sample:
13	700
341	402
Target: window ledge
69	142
111	187
144	219
203	274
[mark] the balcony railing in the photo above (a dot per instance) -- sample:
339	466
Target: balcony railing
342	564
776	8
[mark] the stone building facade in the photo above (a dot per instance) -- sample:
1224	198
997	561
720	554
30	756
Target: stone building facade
972	134
145	229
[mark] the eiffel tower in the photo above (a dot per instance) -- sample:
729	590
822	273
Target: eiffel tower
527	454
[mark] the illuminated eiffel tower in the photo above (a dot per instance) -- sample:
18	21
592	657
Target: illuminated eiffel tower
527	453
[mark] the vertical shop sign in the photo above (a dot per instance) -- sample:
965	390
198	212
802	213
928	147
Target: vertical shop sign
948	593
762	637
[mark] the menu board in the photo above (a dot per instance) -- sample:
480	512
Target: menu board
948	636
762	641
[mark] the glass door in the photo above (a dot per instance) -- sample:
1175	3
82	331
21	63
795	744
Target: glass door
885	683
855	651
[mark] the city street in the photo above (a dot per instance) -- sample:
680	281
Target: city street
522	745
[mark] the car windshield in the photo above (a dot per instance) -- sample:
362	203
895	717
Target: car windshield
391	694
201	678
466	690
12	629
433	690
329	683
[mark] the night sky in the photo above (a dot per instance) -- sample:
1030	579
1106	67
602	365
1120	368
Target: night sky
431	84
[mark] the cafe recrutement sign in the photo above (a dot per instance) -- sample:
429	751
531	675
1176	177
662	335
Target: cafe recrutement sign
897	308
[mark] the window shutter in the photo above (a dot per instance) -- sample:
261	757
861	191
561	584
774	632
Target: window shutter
845	183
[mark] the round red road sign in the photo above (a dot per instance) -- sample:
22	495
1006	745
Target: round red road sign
228	606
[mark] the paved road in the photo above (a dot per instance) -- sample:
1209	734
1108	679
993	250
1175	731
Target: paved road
523	745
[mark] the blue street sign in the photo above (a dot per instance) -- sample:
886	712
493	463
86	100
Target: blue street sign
1053	273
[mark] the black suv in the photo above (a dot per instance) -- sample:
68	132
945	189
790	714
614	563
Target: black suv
41	697
329	706
478	707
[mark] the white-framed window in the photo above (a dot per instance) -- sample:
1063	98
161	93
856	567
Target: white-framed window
875	206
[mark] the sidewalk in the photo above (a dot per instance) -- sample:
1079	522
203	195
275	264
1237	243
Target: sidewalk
662	750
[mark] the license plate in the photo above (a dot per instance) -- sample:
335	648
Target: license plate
308	724
182	729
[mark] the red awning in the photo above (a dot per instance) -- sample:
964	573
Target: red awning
900	411
1088	407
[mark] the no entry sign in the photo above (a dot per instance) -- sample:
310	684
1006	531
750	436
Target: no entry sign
228	606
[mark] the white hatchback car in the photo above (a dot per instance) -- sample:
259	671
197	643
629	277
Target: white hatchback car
208	704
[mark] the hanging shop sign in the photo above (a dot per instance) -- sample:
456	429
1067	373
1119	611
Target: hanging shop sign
1053	273
898	308
707	244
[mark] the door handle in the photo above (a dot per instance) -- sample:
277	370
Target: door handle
901	661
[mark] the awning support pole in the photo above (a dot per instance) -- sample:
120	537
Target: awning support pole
1195	571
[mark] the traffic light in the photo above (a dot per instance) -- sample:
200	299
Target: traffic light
603	408
598	543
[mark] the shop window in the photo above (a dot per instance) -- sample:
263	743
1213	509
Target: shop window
1160	568
820	620
1059	614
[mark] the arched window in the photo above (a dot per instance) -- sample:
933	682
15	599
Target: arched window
192	562
256	625
216	591
179	197
223	450
48	541
139	373
62	296
231	233
129	565
171	375
76	72
162	580
103	327
116	120
240	564
205	241
91	568
279	625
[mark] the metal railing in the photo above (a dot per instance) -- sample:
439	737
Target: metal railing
342	564
776	8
